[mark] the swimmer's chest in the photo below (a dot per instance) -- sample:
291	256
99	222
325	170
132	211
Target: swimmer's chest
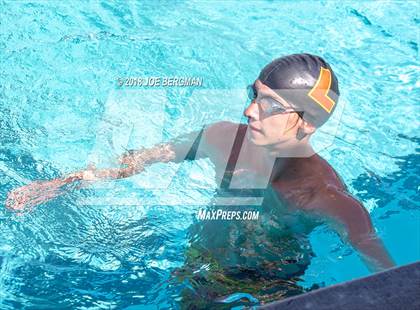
282	202
242	171
275	220
278	233
244	167
286	218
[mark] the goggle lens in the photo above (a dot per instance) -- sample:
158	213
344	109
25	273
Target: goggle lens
269	105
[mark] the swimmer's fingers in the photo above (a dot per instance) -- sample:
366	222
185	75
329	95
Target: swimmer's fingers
28	196
16	198
11	202
21	198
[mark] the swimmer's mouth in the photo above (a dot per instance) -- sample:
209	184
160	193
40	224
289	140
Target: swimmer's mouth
254	128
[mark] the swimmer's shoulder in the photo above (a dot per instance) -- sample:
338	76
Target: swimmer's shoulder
331	196
313	180
326	174
221	134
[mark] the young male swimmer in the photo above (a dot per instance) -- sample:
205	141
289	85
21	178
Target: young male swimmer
291	98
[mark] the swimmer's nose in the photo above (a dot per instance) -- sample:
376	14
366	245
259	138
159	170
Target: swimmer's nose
252	111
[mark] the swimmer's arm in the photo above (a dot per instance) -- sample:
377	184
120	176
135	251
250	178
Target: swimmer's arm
190	146
352	221
205	143
184	147
181	148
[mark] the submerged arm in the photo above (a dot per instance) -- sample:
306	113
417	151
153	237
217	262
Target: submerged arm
133	162
182	148
353	223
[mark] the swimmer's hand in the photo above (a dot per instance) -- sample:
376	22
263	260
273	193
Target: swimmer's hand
131	163
28	196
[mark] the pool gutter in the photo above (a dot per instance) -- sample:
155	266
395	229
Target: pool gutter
396	288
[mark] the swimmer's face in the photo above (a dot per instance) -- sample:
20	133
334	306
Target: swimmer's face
271	129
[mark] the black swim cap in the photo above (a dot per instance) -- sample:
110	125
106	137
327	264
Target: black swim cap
305	81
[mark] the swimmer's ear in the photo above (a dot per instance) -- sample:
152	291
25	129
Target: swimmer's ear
308	128
304	129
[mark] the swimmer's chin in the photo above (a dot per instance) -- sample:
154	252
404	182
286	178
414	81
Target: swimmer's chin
253	138
257	138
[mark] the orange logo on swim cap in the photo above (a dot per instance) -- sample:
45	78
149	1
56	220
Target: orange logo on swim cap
319	92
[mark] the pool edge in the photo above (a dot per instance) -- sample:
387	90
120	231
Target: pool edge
377	291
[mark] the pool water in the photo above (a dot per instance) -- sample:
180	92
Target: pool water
60	104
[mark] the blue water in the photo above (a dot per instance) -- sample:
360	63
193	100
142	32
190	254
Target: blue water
59	65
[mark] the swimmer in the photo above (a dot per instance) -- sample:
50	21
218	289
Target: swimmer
291	98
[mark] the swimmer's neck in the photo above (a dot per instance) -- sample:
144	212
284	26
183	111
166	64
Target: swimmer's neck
287	157
289	150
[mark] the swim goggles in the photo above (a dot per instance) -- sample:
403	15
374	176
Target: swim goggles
268	104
